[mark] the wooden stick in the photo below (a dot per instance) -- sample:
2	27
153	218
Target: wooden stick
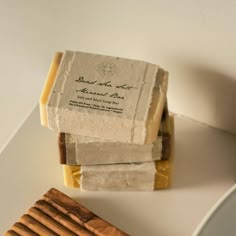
35	226
61	218
21	229
49	222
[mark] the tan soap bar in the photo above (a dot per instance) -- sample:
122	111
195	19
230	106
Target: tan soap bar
145	176
104	97
77	150
57	214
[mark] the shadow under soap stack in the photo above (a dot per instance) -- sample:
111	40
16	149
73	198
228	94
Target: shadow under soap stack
114	129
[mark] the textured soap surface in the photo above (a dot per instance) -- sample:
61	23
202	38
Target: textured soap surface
79	150
145	176
57	214
120	177
104	97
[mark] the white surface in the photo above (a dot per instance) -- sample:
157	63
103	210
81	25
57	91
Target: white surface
221	219
194	40
204	170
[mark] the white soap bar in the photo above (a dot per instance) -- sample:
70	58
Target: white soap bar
104	97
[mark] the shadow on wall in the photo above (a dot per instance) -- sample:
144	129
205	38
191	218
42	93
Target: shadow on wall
206	95
220	94
203	156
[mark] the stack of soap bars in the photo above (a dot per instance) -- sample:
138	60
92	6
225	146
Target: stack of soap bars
111	115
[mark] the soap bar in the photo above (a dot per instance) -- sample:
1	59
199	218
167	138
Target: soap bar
79	150
57	214
145	176
104	97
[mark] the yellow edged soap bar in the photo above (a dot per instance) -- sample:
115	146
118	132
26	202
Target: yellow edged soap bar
131	109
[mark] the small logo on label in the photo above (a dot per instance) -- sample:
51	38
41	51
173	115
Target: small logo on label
106	69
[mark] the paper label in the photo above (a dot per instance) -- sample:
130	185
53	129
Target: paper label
104	85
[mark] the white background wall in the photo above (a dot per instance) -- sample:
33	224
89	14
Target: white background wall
194	40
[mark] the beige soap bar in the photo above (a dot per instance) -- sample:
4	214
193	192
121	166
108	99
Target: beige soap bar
104	97
145	176
77	150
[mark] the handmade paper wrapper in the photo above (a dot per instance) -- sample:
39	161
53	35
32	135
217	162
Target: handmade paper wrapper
123	104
